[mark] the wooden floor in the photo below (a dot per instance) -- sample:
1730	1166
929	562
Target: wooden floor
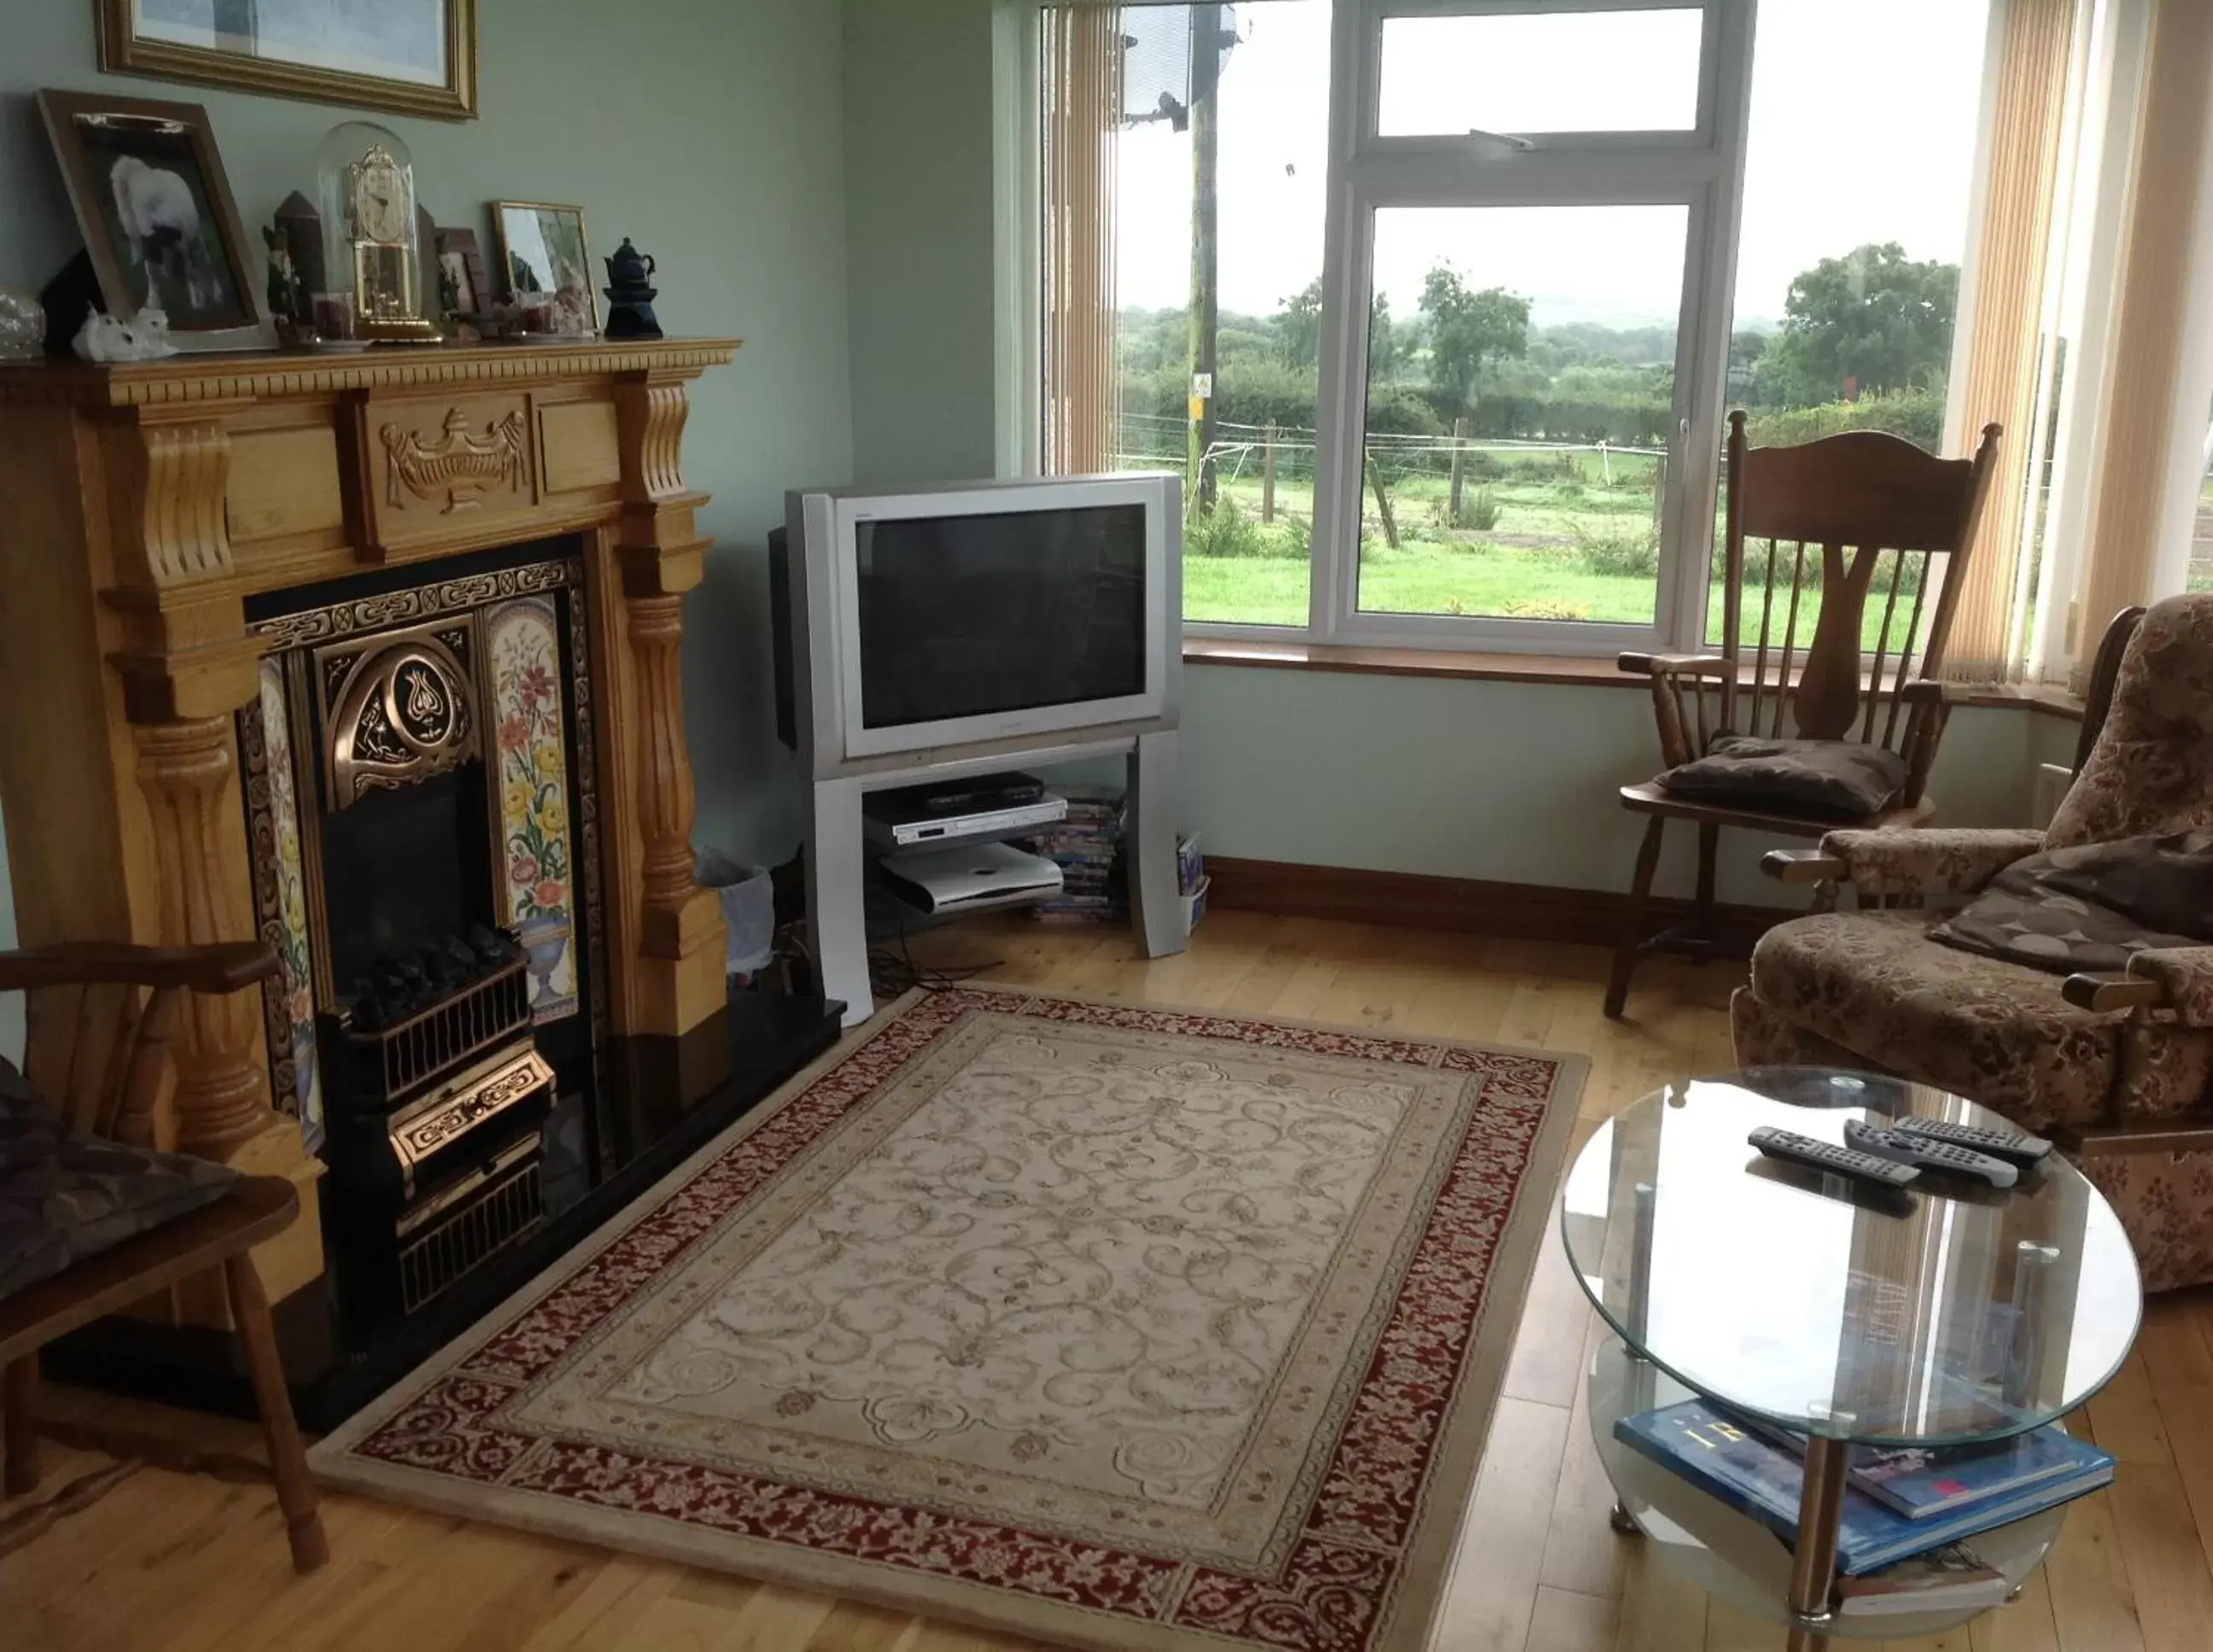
191	1565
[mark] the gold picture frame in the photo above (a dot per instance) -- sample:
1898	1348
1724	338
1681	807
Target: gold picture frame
132	42
515	223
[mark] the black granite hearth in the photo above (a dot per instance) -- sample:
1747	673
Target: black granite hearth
646	1127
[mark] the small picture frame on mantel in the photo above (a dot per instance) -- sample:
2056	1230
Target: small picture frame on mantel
161	229
547	267
464	294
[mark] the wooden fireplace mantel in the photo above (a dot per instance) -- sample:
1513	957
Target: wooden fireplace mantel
140	505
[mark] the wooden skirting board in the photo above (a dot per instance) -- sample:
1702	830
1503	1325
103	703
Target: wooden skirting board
1413	900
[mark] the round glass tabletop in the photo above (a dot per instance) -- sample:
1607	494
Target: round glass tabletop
1940	1315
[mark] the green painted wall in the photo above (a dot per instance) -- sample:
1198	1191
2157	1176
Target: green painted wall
708	130
918	225
1512	782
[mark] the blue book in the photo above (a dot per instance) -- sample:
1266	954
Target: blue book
1922	1484
1919	1482
1756	1476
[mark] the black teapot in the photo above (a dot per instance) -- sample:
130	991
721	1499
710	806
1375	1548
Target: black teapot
631	294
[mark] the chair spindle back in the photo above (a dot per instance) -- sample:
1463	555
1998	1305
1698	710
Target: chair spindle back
1908	519
99	1052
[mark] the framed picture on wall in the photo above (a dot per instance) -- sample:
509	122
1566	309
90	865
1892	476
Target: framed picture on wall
543	256
411	56
158	221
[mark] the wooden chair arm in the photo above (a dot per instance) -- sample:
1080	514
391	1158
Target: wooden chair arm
1927	691
1672	665
2104	992
1804	866
225	967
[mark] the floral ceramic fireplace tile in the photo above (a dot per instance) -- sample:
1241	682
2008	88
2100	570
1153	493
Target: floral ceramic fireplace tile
289	931
537	858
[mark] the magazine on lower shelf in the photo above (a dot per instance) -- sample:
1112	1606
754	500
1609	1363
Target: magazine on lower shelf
1921	1483
1718	1454
1951	1579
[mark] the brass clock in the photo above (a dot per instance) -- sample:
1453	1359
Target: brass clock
371	242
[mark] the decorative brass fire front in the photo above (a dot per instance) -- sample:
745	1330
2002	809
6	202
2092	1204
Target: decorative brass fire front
399	711
457	1107
459	467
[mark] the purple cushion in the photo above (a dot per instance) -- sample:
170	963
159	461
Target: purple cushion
66	1194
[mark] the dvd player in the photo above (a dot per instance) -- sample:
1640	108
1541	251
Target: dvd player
970	878
950	812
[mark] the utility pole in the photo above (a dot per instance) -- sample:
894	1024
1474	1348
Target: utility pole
1205	312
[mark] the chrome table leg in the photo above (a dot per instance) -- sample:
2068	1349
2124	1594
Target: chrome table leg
1814	1568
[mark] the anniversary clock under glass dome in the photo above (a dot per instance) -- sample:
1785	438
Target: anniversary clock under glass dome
372	250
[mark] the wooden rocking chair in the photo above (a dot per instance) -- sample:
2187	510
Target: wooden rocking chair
109	1010
1901	510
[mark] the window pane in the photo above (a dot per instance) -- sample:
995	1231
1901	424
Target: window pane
1848	264
1522	364
1264	97
1577	71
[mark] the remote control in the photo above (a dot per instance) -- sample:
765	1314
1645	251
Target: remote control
2017	1145
1828	1156
1924	1153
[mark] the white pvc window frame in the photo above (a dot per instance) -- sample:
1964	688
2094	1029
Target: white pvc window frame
1701	169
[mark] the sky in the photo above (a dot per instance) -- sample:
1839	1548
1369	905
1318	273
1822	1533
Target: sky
1851	140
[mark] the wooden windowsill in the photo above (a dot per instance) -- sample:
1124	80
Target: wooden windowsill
1584	671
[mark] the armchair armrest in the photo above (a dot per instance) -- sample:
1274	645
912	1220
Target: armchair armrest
225	967
1805	866
2105	991
1928	861
2179	979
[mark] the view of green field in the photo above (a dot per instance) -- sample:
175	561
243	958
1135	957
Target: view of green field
1571	536
1559	432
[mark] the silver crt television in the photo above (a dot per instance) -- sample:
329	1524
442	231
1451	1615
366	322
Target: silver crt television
922	621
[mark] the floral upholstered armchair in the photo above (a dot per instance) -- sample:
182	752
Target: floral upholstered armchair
2118	1065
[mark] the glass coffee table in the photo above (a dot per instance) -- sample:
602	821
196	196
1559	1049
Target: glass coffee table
1920	1318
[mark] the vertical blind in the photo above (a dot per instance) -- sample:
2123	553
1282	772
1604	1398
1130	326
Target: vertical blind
2143	391
2005	312
1079	106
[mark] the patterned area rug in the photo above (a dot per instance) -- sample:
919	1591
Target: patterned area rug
1123	1327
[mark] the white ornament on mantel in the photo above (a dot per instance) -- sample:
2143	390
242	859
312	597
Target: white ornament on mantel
143	337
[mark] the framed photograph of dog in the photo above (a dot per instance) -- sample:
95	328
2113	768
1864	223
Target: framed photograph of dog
158	220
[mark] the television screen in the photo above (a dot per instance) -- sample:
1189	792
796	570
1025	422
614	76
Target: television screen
963	616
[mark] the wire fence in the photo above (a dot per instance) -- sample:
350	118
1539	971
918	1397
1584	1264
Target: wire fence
1153	440
1421	465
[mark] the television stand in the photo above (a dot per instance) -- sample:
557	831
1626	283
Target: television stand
836	864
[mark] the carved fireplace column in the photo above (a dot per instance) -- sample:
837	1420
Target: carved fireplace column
679	935
186	664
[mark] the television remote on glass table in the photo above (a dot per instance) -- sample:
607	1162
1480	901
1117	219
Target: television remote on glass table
2016	1145
1827	1156
1926	1153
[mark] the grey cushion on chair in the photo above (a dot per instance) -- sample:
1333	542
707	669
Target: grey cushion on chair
66	1194
1829	779
2093	906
